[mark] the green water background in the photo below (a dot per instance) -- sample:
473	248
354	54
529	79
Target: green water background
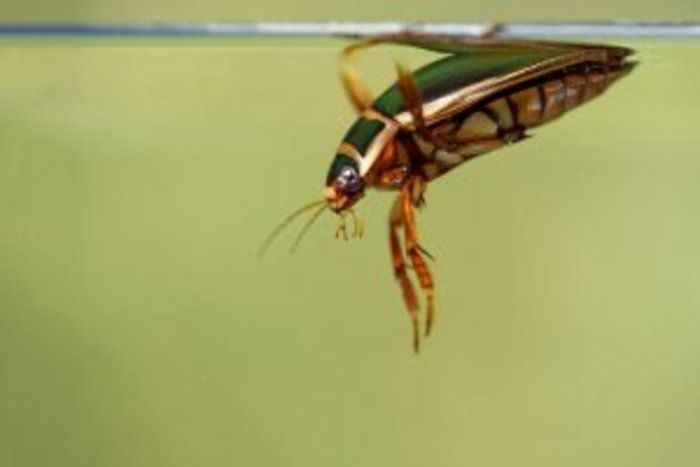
368	10
137	327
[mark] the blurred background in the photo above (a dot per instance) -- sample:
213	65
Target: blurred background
137	327
368	10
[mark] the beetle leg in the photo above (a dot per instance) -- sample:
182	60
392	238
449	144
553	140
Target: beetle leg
358	227
413	101
411	96
396	220
341	231
356	89
412	193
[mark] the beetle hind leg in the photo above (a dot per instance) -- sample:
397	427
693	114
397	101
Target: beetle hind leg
400	270
412	192
402	218
356	89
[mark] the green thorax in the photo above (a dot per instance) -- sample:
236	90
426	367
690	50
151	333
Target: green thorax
362	133
359	136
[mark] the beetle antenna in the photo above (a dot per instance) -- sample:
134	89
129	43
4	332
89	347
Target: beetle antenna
282	225
307	226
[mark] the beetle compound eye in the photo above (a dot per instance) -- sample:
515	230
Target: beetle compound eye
349	180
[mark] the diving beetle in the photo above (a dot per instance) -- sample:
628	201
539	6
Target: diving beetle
483	95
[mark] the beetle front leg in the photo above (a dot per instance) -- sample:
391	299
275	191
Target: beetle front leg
396	220
412	195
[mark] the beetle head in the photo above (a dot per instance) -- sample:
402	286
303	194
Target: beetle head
344	185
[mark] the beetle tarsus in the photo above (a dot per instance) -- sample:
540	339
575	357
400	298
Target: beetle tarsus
429	314
341	231
358	227
416	333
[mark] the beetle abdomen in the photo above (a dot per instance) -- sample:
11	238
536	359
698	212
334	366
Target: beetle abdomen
506	117
533	104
